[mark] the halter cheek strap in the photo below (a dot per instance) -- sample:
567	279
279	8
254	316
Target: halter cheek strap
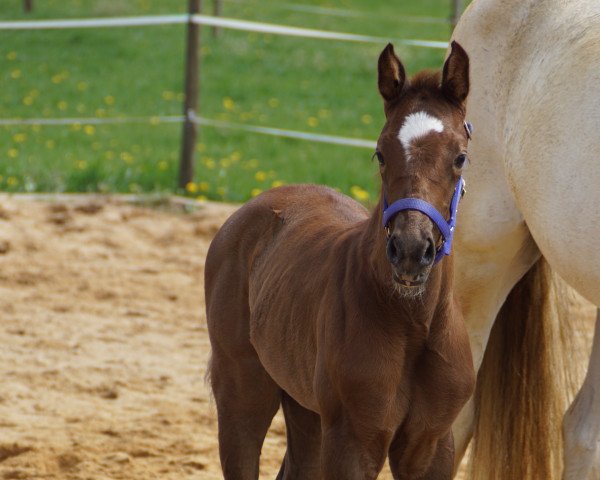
446	227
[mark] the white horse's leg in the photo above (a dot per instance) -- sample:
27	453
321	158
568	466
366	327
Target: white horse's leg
462	429
581	425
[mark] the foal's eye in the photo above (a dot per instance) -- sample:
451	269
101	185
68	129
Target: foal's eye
379	158
460	160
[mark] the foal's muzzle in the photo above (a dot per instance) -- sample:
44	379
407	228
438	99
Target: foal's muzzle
411	253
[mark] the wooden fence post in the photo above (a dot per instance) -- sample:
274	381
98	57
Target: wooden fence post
457	8
190	104
28	5
217	12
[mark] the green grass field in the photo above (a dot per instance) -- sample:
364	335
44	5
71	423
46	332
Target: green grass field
319	86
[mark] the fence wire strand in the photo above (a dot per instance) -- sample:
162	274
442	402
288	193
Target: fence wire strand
229	23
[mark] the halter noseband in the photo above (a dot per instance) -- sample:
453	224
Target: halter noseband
446	227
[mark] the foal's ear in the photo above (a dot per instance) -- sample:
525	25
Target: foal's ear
455	77
391	74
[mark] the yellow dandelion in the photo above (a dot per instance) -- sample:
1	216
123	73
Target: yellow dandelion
359	194
50	144
312	121
221	191
89	130
366	119
100	112
191	187
56	79
204	186
11	56
162	165
154	120
228	103
202	198
81	164
13	153
12	181
225	162
127	157
19	137
15	74
109	100
235	156
82	86
255	191
62	105
324	113
28	100
168	95
209	163
80	107
250	164
260	176
277	183
273	102
76	127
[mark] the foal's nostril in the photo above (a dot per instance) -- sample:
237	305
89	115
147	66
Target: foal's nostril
429	254
392	250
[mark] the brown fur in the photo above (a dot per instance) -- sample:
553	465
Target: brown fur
303	311
525	383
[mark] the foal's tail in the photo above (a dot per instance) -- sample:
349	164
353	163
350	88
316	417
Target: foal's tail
528	376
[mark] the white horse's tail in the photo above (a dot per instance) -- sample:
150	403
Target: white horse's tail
528	376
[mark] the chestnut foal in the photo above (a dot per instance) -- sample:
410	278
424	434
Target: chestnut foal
349	320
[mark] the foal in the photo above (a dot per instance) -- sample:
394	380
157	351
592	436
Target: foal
349	321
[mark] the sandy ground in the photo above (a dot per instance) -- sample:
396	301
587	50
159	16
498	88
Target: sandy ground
104	343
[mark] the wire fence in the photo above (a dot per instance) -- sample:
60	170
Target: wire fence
191	117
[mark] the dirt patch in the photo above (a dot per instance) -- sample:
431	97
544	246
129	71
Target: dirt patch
104	343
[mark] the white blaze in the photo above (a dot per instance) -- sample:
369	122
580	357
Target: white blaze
417	125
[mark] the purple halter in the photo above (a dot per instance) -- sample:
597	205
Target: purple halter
446	227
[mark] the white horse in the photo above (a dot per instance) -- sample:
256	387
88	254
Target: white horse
534	190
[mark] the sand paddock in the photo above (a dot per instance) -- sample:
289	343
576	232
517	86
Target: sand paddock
104	342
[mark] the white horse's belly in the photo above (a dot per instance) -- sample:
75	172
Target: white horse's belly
553	161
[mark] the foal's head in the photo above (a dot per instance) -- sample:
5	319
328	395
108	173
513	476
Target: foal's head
421	152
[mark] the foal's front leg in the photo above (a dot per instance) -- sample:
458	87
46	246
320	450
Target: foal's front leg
302	457
352	449
422	456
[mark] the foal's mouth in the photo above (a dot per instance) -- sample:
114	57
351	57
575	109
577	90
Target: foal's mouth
409	287
406	283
